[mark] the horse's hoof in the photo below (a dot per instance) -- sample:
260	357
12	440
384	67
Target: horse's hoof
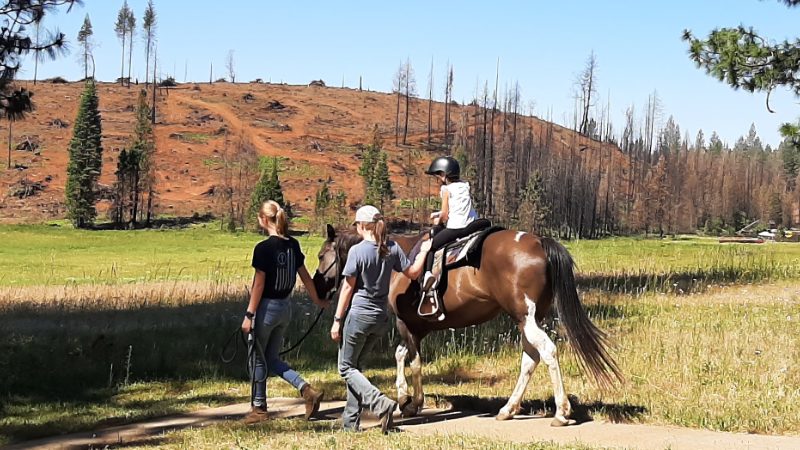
409	409
503	416
405	404
561	422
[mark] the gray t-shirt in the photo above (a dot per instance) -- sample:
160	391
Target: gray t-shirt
373	275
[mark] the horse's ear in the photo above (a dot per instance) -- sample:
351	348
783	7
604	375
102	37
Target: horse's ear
331	233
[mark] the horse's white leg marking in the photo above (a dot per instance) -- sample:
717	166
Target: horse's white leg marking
416	380
519	235
547	350
537	345
402	386
530	359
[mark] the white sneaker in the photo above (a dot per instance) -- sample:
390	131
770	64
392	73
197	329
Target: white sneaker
427	281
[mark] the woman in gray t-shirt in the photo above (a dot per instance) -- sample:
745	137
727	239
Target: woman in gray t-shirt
365	291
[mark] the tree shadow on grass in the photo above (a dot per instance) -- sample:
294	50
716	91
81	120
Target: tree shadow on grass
30	425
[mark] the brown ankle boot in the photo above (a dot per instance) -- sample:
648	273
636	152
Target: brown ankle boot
256	415
312	398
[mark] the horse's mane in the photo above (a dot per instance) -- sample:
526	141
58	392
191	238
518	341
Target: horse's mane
346	239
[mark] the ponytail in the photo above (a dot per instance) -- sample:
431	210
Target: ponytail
380	237
378	229
271	212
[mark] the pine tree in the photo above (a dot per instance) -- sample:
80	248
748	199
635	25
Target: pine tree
125	187
144	147
744	59
369	163
121	28
19	18
268	187
149	27
380	189
383	178
85	160
85	39
532	210
131	31
323	199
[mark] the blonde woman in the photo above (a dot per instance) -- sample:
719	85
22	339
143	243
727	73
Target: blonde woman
277	261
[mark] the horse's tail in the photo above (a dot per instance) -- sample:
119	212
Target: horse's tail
589	342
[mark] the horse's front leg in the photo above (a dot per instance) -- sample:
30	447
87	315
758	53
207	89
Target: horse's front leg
400	355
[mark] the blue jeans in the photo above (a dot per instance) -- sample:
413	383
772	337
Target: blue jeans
358	333
272	319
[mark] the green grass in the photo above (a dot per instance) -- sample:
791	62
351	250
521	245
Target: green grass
683	265
722	360
41	255
195	138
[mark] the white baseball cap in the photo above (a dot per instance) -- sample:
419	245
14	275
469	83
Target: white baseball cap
367	213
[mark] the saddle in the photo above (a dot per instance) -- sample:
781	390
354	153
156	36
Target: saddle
463	252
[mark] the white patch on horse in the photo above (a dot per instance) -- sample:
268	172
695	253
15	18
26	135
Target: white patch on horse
539	347
400	355
547	351
517	238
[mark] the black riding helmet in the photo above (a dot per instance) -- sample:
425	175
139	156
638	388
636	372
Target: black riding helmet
447	165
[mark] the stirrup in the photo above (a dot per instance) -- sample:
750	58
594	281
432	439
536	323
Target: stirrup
429	298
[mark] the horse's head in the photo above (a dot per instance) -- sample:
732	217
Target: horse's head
332	257
329	268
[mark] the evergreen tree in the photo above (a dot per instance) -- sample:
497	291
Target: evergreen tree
790	154
380	189
85	160
268	187
532	210
131	31
85	39
744	59
144	147
18	18
715	145
149	27
776	209
121	28
125	187
322	199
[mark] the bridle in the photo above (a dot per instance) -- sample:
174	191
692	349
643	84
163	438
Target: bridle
338	278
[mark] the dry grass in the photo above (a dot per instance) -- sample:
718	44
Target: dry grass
719	358
295	434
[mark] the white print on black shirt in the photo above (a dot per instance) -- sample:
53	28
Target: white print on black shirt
286	262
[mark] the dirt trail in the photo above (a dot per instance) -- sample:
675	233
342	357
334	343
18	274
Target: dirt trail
523	429
237	126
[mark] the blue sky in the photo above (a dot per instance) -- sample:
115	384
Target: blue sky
540	44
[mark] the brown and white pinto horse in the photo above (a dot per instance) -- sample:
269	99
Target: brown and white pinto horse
520	274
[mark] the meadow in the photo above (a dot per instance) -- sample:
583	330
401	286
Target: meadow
705	334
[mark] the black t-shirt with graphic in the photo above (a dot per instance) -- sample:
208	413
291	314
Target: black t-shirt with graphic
279	259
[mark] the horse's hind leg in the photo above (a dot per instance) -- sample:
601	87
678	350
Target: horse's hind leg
538	345
530	359
400	356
